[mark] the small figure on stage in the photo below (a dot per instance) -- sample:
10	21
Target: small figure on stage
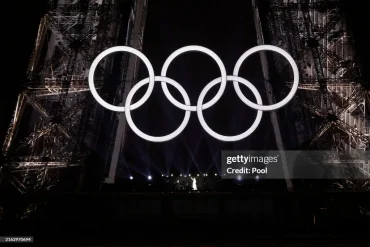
194	183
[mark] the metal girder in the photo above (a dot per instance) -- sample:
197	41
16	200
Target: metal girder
53	87
136	26
313	109
356	95
72	8
26	166
320	132
352	101
313	45
33	100
13	127
331	83
353	132
331	120
316	86
321	5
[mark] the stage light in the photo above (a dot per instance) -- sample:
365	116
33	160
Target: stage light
206	175
239	177
197	175
180	175
131	177
189	175
215	174
171	175
184	176
162	175
150	177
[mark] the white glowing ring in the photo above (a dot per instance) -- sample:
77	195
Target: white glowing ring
292	92
222	137
209	53
156	138
199	107
94	65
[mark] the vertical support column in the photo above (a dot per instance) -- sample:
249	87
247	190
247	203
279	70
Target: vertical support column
138	18
118	145
270	96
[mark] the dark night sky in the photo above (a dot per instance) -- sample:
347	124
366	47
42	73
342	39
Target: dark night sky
228	30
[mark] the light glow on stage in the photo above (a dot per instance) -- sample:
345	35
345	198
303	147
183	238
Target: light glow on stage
194	185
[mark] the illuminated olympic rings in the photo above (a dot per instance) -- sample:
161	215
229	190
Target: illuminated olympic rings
199	107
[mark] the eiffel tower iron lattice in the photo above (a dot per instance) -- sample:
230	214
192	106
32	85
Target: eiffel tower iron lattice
56	124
